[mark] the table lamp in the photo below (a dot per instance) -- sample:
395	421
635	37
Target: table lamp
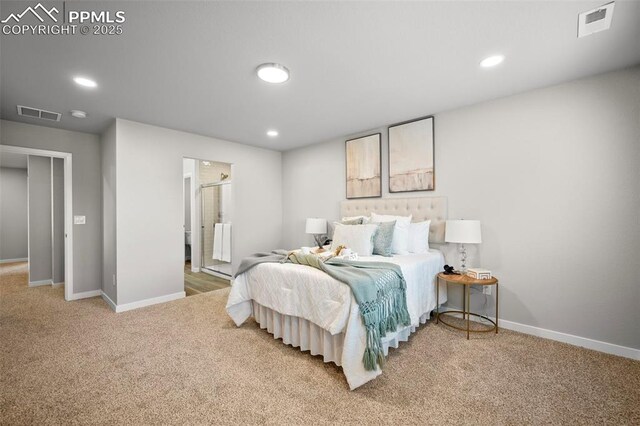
463	232
316	227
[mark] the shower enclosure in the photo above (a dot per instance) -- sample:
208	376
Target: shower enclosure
216	229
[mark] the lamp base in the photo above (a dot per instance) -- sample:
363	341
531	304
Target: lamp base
318	242
463	259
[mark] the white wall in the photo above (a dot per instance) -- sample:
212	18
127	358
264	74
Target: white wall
40	242
150	238
13	214
553	175
108	158
87	239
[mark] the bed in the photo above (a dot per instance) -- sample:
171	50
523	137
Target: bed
309	310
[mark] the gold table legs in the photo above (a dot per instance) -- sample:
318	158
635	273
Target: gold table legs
466	314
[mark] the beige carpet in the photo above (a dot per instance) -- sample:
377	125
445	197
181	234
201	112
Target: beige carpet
185	362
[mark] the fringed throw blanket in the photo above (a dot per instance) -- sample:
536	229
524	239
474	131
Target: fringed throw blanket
378	287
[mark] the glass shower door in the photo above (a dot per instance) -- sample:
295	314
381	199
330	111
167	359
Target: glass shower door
216	227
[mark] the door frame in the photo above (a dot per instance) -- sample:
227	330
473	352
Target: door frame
68	207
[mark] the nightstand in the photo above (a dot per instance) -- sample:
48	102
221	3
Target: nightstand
467	282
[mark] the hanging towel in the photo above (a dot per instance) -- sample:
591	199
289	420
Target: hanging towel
217	241
226	242
225	203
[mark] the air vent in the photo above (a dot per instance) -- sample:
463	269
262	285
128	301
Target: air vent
596	20
38	113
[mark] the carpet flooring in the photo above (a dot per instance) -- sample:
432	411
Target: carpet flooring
185	362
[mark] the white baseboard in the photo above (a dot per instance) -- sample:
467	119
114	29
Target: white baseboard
56	285
40	283
194	269
558	336
85	294
110	302
22	259
146	302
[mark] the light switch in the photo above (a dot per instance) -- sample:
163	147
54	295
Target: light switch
79	220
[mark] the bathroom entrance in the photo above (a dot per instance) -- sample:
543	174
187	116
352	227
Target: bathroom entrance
208	225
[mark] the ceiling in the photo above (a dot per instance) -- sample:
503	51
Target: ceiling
354	65
12	160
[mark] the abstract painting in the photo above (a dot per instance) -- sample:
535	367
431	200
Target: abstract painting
411	164
363	167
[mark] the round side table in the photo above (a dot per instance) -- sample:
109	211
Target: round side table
467	282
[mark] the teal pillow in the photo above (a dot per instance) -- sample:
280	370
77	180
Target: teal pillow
383	238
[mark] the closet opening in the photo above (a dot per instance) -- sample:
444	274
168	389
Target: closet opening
36	247
208	225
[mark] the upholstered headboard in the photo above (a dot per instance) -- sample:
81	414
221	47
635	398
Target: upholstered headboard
422	208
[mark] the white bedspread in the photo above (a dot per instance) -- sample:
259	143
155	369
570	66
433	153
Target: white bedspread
309	293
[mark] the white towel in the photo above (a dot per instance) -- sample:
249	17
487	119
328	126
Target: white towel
217	241
225	203
226	242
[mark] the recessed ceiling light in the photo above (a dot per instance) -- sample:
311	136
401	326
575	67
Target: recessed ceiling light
492	61
85	82
272	133
78	114
273	73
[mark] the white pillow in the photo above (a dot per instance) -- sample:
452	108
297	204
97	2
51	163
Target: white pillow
359	238
400	242
419	237
365	219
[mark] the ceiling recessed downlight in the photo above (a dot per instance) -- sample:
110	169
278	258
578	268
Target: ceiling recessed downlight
272	133
85	82
492	61
78	114
273	73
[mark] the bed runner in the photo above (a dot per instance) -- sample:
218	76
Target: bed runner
379	289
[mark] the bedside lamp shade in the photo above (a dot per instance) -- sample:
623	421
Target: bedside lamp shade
463	231
316	226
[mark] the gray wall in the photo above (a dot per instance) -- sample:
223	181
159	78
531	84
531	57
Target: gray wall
552	174
108	151
87	239
13	214
150	237
40	257
57	218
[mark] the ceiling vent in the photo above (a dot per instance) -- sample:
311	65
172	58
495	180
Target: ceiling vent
595	20
38	113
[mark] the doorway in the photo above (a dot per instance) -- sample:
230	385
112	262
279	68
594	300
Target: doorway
208	206
54	171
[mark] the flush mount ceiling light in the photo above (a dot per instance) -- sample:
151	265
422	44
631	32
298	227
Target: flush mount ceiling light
78	114
273	73
272	133
492	61
85	82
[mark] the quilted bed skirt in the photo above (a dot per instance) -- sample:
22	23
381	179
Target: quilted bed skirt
303	334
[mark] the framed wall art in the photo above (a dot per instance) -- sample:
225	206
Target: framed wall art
411	156
364	163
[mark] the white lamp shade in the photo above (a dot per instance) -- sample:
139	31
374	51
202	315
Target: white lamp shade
316	226
463	231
